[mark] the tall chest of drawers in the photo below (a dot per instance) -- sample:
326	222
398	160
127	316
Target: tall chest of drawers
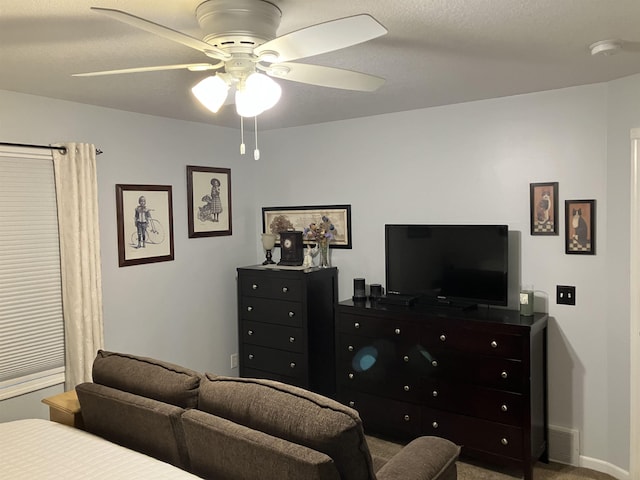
477	377
286	321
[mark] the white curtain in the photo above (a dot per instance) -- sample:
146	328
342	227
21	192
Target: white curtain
77	195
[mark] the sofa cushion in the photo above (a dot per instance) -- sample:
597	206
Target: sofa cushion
148	377
293	414
148	426
221	449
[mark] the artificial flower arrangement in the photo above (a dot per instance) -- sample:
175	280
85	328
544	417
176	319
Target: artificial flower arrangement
321	233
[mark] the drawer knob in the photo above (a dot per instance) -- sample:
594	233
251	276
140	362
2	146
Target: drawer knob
292	339
504	407
250	332
254	286
285	289
407	418
434	363
350	348
407	388
494	344
405	358
350	376
251	356
397	331
443	337
292	314
504	441
356	325
352	404
292	364
434	424
504	374
249	308
434	393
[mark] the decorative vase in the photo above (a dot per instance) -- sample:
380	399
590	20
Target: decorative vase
323	257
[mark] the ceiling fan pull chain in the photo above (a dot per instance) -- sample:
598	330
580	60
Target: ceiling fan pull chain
256	152
242	150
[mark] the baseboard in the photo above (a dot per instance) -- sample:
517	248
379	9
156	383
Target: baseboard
564	447
604	467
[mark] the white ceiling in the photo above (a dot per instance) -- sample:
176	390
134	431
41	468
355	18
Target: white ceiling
437	52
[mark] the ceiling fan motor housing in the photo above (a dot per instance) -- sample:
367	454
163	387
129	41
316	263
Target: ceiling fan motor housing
238	26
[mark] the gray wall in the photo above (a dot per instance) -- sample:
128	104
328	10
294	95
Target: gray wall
467	163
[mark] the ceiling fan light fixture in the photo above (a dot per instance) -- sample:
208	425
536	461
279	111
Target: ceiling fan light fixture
211	92
257	94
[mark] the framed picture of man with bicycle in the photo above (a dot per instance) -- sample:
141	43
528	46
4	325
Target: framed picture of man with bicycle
145	224
208	201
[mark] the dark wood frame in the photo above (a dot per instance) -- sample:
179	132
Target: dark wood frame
339	215
126	199
537	208
588	215
198	186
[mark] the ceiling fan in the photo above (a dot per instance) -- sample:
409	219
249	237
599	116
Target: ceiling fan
240	35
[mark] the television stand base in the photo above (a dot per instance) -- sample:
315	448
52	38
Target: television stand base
447	304
397	299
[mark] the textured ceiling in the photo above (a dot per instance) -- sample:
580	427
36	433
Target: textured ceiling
437	52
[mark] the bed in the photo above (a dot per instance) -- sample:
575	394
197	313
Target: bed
45	450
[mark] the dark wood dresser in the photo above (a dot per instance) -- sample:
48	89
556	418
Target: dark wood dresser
286	321
476	377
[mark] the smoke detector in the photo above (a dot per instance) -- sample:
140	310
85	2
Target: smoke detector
606	47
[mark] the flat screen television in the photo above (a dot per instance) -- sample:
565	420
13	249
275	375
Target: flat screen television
453	265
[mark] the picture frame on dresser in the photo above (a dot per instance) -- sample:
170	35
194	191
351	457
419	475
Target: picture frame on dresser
144	215
543	215
580	227
279	219
209	201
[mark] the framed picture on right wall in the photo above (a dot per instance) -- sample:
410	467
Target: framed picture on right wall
580	227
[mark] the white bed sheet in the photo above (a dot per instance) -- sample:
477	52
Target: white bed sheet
43	450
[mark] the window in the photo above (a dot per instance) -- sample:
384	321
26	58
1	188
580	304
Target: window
31	322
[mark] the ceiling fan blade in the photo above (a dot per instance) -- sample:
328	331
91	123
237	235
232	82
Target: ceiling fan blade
323	38
194	67
325	76
165	32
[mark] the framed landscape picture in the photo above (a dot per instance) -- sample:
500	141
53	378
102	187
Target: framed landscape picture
580	227
278	219
208	201
145	224
544	208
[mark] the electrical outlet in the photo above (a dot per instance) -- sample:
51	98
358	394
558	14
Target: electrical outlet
234	360
565	295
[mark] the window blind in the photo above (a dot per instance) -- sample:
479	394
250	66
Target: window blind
31	322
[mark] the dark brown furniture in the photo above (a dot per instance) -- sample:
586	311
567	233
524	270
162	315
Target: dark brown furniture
477	378
286	325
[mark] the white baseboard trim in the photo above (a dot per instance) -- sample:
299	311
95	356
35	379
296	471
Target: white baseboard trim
604	467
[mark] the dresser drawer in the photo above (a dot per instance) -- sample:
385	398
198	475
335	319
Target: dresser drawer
291	364
271	311
253	373
271	286
474	433
271	335
490	404
392	381
378	327
491	372
473	341
382	415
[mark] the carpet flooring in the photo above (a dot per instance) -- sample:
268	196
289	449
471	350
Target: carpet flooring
386	449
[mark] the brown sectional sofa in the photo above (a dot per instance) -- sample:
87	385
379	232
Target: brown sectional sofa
237	428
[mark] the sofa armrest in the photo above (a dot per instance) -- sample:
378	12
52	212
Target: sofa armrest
425	458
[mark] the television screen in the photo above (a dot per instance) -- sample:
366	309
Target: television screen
448	263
